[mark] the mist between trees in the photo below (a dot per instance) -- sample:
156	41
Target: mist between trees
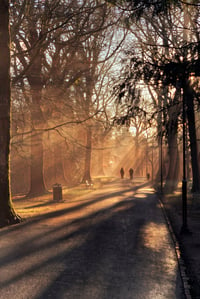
96	85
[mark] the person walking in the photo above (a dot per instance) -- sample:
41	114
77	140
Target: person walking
122	172
131	173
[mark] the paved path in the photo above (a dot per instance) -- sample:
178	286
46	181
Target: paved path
114	244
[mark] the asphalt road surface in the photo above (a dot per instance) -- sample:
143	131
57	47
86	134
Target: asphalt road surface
112	244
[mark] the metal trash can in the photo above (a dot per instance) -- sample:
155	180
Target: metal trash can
57	192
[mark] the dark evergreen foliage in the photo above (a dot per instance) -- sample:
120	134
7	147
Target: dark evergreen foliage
137	7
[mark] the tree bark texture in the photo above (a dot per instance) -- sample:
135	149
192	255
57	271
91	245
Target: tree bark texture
192	135
173	153
101	157
37	185
171	181
59	175
7	213
88	151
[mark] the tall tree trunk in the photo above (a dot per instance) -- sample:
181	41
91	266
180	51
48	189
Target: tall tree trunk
37	185
193	139
58	164
173	153
7	213
88	151
101	157
188	93
173	170
159	175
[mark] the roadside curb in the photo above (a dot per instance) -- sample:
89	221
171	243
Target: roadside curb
181	263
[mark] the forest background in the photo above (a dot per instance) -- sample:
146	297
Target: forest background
90	86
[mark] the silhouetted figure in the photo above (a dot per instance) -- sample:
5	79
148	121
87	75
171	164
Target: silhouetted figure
148	176
122	172
131	173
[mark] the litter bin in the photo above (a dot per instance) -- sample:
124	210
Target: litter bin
57	192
